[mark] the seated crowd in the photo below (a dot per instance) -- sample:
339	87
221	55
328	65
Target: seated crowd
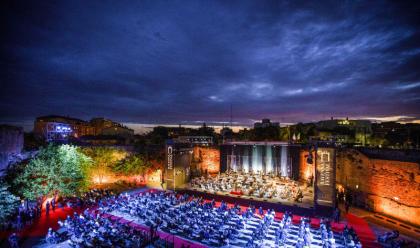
251	184
201	221
89	230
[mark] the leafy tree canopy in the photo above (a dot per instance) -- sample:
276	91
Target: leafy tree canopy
104	159
55	170
133	165
8	202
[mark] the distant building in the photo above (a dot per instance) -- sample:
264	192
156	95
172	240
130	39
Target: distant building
266	123
227	134
61	128
102	140
383	129
100	124
352	124
345	130
195	140
56	131
120	131
174	132
103	126
330	138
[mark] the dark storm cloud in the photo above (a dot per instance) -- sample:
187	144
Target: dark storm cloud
170	61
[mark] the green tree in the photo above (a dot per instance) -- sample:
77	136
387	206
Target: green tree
8	202
134	165
55	170
103	161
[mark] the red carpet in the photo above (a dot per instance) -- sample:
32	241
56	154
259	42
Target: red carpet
39	227
362	229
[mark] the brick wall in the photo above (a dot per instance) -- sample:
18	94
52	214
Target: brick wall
388	187
207	158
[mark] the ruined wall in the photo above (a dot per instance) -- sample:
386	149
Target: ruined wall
207	158
388	187
11	143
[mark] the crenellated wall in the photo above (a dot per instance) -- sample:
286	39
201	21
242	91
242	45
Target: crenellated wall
385	186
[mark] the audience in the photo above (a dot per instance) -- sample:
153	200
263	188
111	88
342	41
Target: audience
93	231
199	220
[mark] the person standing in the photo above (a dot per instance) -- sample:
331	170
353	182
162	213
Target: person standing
347	206
47	207
336	215
53	204
19	222
13	241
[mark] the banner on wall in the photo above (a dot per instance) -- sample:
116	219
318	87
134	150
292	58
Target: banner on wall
169	167
325	176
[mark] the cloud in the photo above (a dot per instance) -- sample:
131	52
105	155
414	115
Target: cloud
406	119
407	86
185	61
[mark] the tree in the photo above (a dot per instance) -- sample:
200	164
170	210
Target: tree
134	165
103	161
55	170
8	202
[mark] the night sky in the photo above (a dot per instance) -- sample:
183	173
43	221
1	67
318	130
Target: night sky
189	61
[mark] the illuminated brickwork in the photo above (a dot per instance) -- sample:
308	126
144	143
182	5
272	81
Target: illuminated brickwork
305	170
207	158
384	186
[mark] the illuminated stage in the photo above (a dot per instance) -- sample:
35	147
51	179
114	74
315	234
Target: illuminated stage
277	173
269	188
278	158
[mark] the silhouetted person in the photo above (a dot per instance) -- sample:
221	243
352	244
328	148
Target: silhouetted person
19	222
53	204
347	206
47	207
13	240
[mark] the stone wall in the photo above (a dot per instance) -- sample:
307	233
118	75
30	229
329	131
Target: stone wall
207	158
11	144
11	139
385	186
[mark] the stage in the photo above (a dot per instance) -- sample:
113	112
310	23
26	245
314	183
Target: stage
310	210
282	175
306	203
266	190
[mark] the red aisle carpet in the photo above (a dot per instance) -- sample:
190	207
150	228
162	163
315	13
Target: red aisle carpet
362	229
40	226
